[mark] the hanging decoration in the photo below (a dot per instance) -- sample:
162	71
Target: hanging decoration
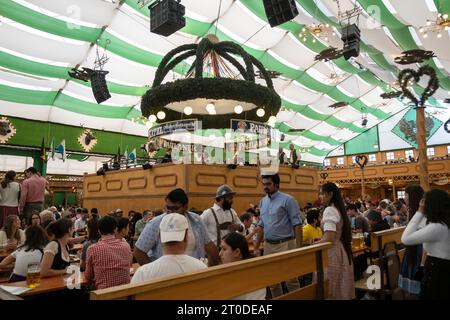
328	54
447	126
317	30
213	87
7	130
438	26
407	75
87	140
414	56
361	161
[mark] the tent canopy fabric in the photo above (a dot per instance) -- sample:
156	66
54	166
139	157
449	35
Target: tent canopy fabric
56	36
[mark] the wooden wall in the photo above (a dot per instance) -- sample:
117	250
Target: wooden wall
138	189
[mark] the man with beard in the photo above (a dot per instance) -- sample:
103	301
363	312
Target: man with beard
221	219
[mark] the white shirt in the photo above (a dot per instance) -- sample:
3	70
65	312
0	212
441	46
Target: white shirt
79	224
167	265
9	196
222	216
24	258
4	238
434	236
330	219
191	243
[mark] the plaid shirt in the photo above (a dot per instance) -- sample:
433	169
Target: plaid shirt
108	262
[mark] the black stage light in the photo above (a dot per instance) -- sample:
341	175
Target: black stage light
166	17
116	165
99	87
280	11
147	166
295	166
101	172
232	166
351	35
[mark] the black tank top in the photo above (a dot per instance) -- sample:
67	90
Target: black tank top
58	262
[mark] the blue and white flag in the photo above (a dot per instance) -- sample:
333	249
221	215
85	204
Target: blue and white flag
132	155
61	149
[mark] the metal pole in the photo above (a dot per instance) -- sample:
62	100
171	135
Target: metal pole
363	186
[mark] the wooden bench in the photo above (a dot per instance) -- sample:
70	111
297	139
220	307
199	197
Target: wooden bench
378	241
234	279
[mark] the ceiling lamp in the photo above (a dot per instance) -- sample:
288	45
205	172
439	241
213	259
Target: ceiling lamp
438	26
152	118
187	111
317	30
216	78
272	120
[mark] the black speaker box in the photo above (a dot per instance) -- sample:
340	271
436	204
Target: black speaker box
166	17
280	11
99	87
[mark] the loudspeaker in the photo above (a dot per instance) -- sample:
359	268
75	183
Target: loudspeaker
166	17
99	87
280	11
351	35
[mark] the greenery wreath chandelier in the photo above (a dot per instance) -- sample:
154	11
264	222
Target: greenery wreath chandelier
212	91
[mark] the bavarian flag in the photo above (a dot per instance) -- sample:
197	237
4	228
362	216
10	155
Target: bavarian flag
132	155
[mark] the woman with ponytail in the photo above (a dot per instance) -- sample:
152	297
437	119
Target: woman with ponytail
337	230
9	197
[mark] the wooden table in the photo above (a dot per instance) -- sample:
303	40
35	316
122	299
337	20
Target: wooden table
56	283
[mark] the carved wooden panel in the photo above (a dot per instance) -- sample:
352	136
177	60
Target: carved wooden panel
337	174
285	178
245	181
94	187
304	180
165	180
434	167
137	183
114	185
210	179
396	169
367	172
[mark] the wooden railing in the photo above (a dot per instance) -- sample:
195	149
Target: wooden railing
380	238
234	279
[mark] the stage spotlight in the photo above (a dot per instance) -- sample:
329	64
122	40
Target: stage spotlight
166	17
147	166
295	166
101	172
232	166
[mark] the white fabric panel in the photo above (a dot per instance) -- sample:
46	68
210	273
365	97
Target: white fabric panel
71	167
324	146
207	9
409	12
293	52
28	111
74	88
339	151
266	38
41	47
140	37
127	71
16	163
299	94
372	98
322	105
30	80
324	129
379	39
356	87
97	12
134	128
344	135
348	114
311	157
299	121
62	116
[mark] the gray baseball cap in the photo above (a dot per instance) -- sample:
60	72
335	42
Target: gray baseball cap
224	190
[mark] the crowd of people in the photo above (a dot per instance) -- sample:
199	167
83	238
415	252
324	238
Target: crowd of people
178	240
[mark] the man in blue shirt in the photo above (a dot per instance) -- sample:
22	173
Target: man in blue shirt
280	224
198	242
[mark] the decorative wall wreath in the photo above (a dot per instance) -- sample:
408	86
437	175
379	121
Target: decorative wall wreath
217	88
7	130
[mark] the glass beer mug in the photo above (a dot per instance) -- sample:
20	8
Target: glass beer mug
33	275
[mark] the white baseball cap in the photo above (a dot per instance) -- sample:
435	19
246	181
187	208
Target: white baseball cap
173	227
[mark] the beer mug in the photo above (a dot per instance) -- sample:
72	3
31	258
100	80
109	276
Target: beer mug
33	275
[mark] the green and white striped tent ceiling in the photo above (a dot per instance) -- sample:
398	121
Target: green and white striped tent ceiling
41	40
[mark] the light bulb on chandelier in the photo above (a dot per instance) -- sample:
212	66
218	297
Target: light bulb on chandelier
260	112
187	111
211	108
238	109
152	118
161	115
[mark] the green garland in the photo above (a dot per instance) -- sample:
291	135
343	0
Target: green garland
433	84
211	88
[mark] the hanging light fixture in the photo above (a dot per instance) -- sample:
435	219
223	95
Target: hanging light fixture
238	109
187	111
438	26
152	118
260	112
161	115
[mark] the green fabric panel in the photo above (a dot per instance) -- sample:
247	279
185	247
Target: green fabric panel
107	142
363	143
71	198
27	96
443	6
92	109
31	18
58	198
311	7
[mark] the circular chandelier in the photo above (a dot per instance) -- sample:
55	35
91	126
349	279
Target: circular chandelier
215	89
